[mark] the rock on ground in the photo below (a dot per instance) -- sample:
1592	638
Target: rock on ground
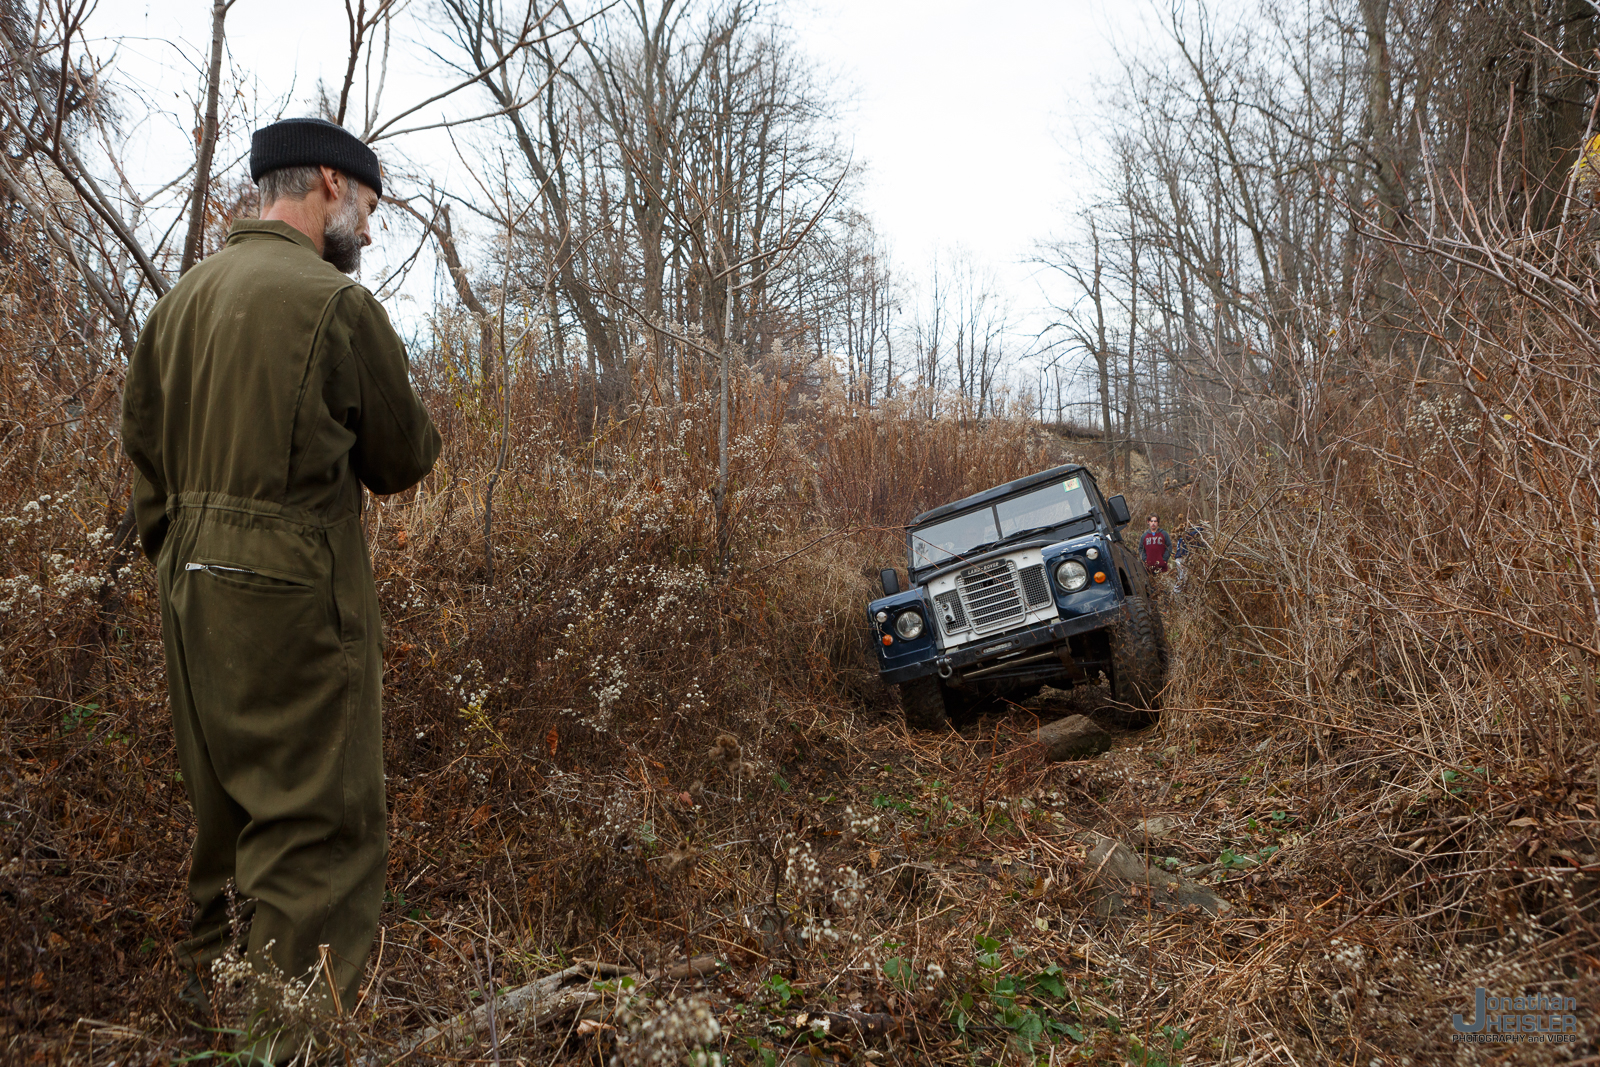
1157	827
1112	862
1075	737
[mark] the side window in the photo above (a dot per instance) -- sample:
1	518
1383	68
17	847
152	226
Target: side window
1100	504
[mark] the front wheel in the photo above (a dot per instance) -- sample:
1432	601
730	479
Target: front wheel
928	704
1139	662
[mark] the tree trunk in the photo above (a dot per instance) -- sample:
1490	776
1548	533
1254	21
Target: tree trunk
208	143
1133	337
1380	117
444	237
1102	352
722	419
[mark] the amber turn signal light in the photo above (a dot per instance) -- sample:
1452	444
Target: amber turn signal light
1100	576
888	640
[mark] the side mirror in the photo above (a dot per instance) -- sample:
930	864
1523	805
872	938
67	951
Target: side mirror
891	580
1119	510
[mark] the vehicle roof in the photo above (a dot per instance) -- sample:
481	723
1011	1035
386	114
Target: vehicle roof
989	496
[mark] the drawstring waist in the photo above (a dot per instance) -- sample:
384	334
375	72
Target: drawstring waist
240	511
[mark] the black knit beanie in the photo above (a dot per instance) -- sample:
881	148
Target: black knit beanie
312	143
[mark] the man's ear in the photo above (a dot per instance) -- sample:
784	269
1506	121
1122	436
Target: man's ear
329	186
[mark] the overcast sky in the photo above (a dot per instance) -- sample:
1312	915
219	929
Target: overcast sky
962	111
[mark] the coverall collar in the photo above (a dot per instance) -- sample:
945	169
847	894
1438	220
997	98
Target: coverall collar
261	229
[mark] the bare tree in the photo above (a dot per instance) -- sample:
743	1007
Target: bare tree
207	140
1084	328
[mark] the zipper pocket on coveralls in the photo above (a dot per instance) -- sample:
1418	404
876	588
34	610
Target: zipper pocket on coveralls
253	580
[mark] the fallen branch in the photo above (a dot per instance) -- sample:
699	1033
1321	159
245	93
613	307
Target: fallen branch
551	997
689	969
862	1024
525	1005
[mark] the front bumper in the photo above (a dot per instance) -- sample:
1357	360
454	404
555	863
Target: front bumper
1001	647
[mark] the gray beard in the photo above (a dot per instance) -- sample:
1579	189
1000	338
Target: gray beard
341	245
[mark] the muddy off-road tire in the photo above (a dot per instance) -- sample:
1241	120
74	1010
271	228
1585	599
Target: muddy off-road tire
1139	662
928	705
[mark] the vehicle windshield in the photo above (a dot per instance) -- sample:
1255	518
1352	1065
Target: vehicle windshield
1042	508
953	537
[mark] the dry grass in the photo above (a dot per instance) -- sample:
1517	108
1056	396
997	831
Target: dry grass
1393	790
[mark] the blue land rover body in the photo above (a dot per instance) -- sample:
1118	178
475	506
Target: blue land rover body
1026	584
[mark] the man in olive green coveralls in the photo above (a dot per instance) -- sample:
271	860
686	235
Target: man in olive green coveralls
266	389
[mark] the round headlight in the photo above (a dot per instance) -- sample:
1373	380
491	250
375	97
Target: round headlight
1071	576
909	625
1093	553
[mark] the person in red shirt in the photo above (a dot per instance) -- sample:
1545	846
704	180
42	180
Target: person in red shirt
1157	546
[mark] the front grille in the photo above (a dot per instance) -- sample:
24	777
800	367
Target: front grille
991	595
950	612
1034	587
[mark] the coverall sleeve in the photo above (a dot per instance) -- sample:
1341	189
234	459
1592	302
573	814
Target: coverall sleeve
150	513
396	442
141	437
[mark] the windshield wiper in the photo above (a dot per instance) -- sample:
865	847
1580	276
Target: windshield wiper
964	554
1034	530
978	550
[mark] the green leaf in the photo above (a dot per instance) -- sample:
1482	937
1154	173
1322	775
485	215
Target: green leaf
958	1012
1027	1026
1049	983
898	971
78	715
988	952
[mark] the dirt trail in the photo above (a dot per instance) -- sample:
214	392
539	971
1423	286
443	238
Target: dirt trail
851	892
867	895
